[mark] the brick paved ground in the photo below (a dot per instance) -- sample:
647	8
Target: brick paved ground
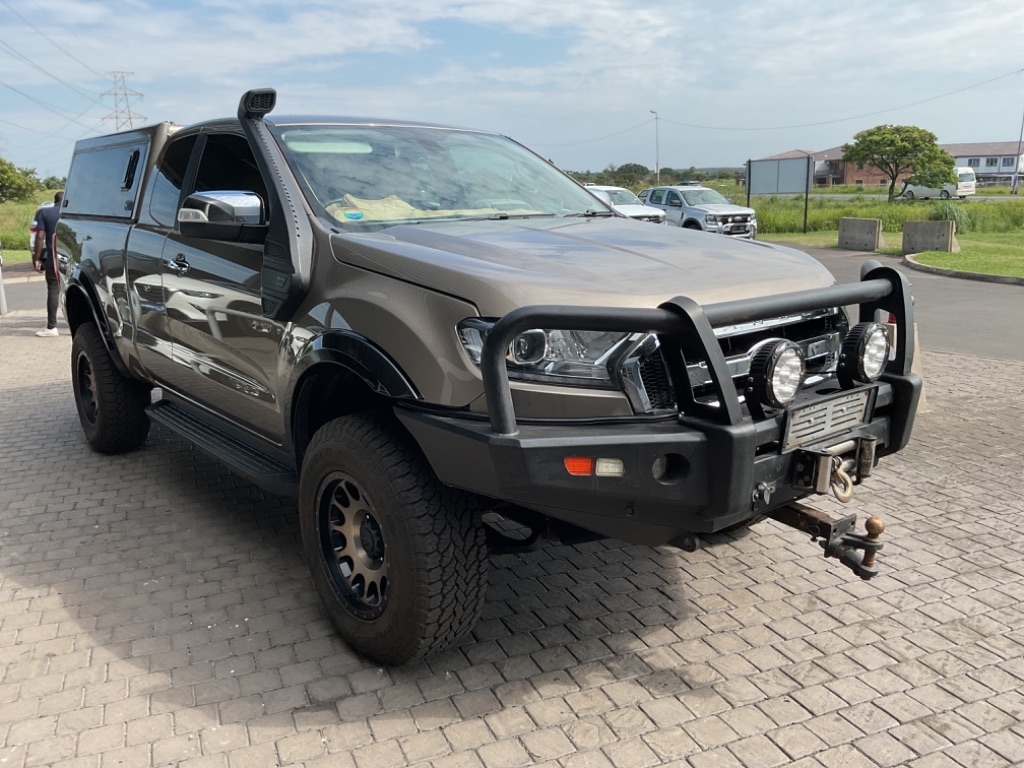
155	611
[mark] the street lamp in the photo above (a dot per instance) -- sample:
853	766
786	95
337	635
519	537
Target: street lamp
657	165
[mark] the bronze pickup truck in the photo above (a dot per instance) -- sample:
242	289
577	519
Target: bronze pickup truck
440	343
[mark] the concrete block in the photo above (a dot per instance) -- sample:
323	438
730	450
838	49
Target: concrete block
860	234
921	236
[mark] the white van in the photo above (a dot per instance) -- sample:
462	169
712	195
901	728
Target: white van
964	186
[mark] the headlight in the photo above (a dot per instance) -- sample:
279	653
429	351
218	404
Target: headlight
864	354
552	356
711	218
776	372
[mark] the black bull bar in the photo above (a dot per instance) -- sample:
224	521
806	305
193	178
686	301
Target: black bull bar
686	331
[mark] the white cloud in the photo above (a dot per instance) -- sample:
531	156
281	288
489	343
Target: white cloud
586	70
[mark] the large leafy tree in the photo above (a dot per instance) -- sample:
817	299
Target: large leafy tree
16	183
897	149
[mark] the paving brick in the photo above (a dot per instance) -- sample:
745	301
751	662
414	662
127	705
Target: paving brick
155	598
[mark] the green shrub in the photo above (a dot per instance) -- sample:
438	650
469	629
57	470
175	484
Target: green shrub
777	215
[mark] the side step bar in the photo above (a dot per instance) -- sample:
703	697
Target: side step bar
254	465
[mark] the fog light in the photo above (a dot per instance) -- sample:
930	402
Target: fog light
864	354
610	468
776	372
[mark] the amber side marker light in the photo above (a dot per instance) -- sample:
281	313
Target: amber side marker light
585	466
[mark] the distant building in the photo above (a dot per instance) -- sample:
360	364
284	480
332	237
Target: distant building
993	163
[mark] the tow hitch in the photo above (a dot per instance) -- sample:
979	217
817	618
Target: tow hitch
836	536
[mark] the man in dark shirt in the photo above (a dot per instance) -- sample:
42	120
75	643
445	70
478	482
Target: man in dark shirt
45	260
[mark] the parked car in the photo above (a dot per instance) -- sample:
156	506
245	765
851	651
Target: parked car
694	207
965	185
34	226
628	204
62	256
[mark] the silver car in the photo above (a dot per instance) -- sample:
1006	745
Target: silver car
702	208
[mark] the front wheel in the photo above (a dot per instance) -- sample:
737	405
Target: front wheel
909	195
398	558
111	408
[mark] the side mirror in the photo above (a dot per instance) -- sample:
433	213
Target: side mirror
233	216
675	204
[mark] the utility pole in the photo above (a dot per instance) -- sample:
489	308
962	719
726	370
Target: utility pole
122	114
1016	160
657	163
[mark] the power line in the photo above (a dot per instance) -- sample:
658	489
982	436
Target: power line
799	125
27	60
58	46
43	104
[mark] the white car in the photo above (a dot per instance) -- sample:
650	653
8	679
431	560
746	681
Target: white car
62	257
628	204
34	226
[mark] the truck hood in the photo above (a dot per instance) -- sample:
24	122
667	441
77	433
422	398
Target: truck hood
726	208
613	262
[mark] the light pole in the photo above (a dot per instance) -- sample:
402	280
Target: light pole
657	164
1016	160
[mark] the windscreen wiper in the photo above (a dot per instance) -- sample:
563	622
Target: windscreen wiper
589	214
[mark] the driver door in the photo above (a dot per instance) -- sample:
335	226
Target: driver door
224	350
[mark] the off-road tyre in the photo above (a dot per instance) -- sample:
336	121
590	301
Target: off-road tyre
111	408
419	584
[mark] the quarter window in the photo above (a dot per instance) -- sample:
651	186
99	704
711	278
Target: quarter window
657	197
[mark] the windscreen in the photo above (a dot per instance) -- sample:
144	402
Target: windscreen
369	176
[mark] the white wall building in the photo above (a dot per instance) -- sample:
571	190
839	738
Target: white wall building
993	161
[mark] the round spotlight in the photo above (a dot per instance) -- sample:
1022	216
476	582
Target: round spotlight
776	372
864	354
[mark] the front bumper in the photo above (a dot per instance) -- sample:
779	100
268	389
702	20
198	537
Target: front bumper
714	466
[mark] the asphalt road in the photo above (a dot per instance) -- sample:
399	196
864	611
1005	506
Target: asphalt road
966	317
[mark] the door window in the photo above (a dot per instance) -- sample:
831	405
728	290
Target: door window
165	189
228	164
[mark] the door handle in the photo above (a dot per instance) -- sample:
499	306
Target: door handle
178	265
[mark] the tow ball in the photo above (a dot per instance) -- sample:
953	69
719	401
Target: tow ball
855	551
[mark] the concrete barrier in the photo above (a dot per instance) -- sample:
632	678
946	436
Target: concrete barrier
921	236
860	234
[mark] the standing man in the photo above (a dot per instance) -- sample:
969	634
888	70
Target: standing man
45	260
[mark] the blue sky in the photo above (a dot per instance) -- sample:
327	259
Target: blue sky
575	81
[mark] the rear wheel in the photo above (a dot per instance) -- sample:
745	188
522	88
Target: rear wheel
398	559
944	194
111	408
909	195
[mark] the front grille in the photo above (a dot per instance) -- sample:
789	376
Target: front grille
649	385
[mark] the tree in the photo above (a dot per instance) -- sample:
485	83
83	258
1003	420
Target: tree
896	149
16	183
631	173
59	182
